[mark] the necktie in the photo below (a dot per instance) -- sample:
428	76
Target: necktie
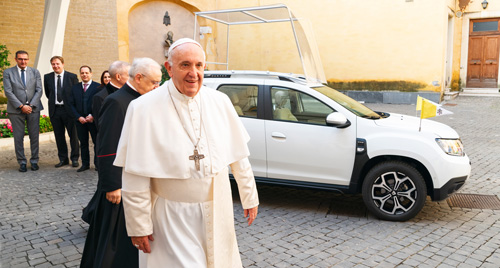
22	77
85	87
59	90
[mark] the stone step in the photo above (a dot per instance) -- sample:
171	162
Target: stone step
8	143
450	95
484	92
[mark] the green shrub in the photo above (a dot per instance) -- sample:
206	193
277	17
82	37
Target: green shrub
4	63
164	75
45	124
7	132
372	85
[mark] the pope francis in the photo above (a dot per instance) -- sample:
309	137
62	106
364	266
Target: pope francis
175	148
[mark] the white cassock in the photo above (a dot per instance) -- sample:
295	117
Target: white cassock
189	212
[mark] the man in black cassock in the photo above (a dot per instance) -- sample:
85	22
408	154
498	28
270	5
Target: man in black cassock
107	243
118	71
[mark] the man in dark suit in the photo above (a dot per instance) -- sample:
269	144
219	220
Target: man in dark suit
107	243
57	84
118	72
23	89
80	100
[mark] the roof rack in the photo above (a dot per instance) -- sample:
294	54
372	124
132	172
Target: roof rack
298	79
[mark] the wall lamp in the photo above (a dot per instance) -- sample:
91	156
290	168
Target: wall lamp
484	4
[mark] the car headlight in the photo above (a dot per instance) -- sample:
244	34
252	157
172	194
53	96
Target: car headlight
451	146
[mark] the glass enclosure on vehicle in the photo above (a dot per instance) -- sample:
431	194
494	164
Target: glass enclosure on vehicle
267	38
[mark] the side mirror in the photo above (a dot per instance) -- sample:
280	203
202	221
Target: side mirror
337	120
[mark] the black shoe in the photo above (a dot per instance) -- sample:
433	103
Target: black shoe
34	167
83	168
75	164
62	163
22	168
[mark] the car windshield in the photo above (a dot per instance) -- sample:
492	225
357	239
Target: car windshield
348	103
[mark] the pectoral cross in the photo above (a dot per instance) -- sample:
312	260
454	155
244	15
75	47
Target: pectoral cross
196	157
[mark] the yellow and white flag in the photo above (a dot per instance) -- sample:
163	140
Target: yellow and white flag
430	109
419	103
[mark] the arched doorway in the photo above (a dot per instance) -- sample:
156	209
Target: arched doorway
150	23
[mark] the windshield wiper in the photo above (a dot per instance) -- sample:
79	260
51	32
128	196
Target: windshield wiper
371	116
383	114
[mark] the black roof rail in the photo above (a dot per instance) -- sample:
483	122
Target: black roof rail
217	76
282	78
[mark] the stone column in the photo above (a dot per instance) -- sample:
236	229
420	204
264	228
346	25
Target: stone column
51	39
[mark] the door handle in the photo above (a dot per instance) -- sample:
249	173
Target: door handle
278	135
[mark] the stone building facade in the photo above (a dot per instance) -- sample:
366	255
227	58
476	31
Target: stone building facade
91	36
422	42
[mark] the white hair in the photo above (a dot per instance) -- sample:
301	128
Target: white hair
117	67
143	66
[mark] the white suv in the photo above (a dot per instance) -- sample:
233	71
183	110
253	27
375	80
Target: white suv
313	136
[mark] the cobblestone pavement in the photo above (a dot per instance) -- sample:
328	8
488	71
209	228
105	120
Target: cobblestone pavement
40	211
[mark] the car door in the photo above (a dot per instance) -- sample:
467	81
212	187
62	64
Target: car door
246	100
300	146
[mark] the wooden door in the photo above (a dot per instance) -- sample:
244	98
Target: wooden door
484	46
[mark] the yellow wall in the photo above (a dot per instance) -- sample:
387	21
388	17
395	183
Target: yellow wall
90	35
457	61
378	40
475	6
386	40
20	30
357	40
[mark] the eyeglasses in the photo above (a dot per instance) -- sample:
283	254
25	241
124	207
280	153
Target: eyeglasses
156	83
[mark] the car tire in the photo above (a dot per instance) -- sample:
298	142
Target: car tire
394	191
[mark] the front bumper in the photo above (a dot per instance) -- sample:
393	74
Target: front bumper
450	187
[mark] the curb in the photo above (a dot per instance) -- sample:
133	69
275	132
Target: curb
8	143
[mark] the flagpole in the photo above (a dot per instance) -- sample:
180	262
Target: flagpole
419	108
418	105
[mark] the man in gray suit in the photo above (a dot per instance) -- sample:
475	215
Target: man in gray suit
23	89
